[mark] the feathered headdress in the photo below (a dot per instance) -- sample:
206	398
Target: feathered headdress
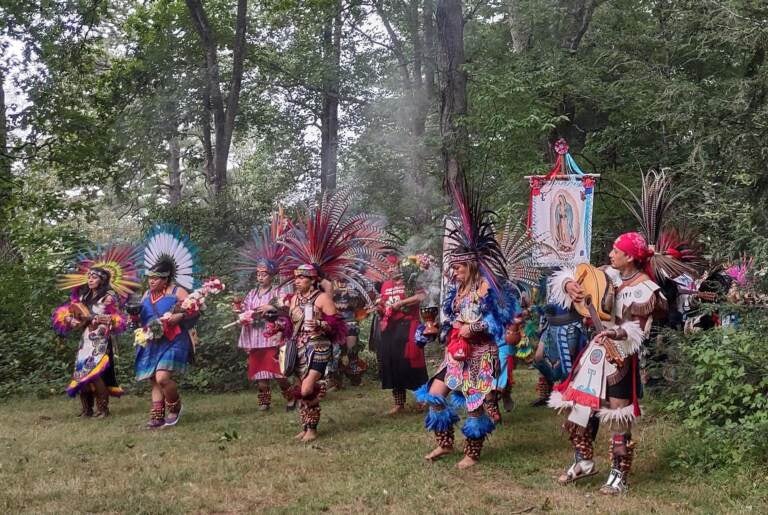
119	261
329	243
517	246
264	251
474	237
741	271
664	258
168	253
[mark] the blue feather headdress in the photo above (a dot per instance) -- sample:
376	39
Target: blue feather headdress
169	253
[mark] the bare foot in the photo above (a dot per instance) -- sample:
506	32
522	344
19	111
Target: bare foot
309	435
466	462
263	407
438	453
395	410
300	436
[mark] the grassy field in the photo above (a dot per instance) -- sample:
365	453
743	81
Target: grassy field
226	457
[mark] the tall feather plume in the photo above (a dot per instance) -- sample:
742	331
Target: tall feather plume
166	243
475	233
517	246
651	209
265	249
121	261
339	246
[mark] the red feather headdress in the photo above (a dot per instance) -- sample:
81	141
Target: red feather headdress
338	246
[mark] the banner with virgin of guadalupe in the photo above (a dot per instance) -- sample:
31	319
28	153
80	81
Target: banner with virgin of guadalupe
560	212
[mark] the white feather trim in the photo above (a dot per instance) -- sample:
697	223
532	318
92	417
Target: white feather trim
635	336
614	276
556	285
557	402
619	416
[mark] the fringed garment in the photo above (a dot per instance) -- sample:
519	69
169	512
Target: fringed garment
95	354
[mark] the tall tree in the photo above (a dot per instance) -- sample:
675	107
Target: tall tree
224	108
329	119
453	88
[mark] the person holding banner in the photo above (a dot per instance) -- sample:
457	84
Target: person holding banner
604	384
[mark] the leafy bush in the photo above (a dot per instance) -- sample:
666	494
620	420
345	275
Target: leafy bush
721	394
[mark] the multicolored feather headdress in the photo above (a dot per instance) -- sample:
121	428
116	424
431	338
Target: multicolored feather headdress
170	254
331	244
474	236
120	261
651	209
264	252
518	247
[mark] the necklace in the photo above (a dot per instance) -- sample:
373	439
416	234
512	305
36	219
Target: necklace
630	277
303	299
155	296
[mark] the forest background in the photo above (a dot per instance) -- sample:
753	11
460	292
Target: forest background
118	115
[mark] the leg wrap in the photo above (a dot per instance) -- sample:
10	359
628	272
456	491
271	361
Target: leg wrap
582	440
265	397
313	417
445	438
86	402
102	405
543	389
622	451
441	415
399	397
477	426
491	406
157	414
287	392
173	407
473	447
303	416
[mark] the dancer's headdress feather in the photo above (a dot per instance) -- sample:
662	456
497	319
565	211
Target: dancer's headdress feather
120	261
474	237
170	254
331	244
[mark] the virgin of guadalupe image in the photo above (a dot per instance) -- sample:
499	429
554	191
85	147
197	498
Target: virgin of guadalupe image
565	233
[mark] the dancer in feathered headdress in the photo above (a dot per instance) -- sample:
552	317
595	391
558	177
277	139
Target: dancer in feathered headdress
477	308
263	330
103	278
329	245
611	360
167	315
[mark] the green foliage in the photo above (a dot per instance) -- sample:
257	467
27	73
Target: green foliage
721	394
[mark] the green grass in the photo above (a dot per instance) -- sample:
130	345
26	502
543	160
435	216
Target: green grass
227	457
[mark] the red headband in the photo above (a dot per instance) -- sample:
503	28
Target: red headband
633	244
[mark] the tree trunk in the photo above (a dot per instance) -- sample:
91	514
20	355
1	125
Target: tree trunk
224	109
430	65
329	122
5	160
174	171
205	125
453	89
519	28
576	23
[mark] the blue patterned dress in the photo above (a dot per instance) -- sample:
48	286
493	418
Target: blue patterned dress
160	353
